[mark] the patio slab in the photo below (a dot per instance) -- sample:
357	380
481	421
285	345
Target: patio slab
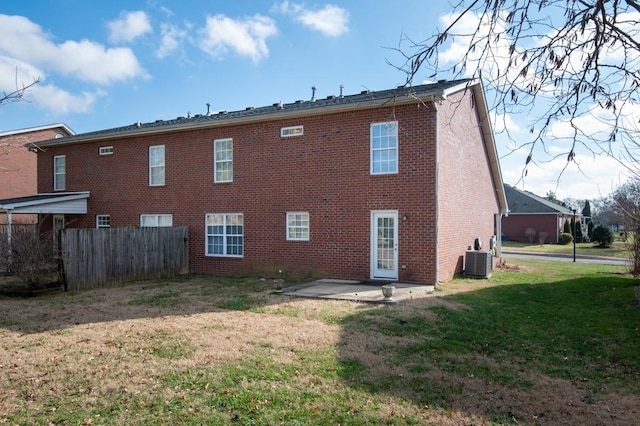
357	291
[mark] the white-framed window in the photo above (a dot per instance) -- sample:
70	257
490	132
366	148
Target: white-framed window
156	220
59	172
156	165
298	226
105	150
103	221
384	148
223	160
286	132
225	234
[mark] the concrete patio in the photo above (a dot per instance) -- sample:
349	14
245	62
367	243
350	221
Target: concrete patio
357	291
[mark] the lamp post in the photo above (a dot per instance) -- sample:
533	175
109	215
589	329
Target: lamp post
574	234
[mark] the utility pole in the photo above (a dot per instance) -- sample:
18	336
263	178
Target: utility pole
574	235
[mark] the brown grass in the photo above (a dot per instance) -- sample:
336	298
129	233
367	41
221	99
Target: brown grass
94	343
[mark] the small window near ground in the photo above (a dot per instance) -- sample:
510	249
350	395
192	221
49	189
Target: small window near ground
225	235
291	131
156	220
298	226
103	221
106	150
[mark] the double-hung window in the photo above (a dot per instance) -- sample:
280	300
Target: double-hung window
384	148
223	160
156	165
298	226
59	172
156	220
225	234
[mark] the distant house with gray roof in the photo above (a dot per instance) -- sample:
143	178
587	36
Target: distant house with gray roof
529	211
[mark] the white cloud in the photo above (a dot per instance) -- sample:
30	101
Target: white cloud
331	20
16	75
246	37
129	26
61	102
170	41
25	42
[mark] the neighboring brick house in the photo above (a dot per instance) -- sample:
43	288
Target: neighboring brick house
529	211
18	165
392	185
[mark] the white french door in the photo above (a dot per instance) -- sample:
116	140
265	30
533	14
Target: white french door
384	244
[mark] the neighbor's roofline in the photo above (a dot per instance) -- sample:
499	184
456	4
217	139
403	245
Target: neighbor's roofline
37	129
435	94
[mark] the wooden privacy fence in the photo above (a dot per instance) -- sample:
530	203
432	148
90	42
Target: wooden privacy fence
100	257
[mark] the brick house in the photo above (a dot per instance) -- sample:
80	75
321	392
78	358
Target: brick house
18	166
529	211
392	185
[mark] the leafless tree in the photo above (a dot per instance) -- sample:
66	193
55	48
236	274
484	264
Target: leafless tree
18	94
627	202
576	61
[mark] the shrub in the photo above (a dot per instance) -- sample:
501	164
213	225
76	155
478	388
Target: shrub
530	233
602	235
565	238
542	237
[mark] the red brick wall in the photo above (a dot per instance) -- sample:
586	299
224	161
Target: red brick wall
18	166
325	172
466	195
514	226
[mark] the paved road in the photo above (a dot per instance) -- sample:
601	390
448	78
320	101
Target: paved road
565	258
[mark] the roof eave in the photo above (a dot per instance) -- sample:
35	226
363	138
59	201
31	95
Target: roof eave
280	114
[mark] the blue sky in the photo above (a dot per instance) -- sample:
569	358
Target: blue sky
112	63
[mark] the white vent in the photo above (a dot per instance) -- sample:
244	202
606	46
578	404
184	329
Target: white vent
291	131
106	150
478	263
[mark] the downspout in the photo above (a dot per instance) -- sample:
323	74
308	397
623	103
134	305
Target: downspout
437	203
9	220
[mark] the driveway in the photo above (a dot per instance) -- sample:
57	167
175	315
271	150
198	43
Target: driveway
566	258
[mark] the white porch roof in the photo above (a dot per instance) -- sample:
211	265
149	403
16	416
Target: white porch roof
53	203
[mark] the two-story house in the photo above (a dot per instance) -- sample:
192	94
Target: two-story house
18	165
391	185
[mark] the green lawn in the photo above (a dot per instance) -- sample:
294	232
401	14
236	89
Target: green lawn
618	249
538	343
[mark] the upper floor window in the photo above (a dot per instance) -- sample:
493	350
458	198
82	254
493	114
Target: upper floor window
105	150
156	220
298	226
59	172
225	235
223	160
156	165
103	221
384	148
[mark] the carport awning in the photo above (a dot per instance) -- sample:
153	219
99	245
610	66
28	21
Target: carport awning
54	203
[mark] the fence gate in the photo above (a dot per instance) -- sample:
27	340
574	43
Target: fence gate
101	257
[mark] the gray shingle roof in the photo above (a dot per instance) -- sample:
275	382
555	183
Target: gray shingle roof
523	202
273	111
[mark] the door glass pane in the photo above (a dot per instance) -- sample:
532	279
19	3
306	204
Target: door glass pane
386	243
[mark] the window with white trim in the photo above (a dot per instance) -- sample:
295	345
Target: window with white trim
105	150
223	160
298	226
225	234
156	220
59	172
156	165
103	221
384	148
291	131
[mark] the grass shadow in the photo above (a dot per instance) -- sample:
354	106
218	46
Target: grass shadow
507	354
